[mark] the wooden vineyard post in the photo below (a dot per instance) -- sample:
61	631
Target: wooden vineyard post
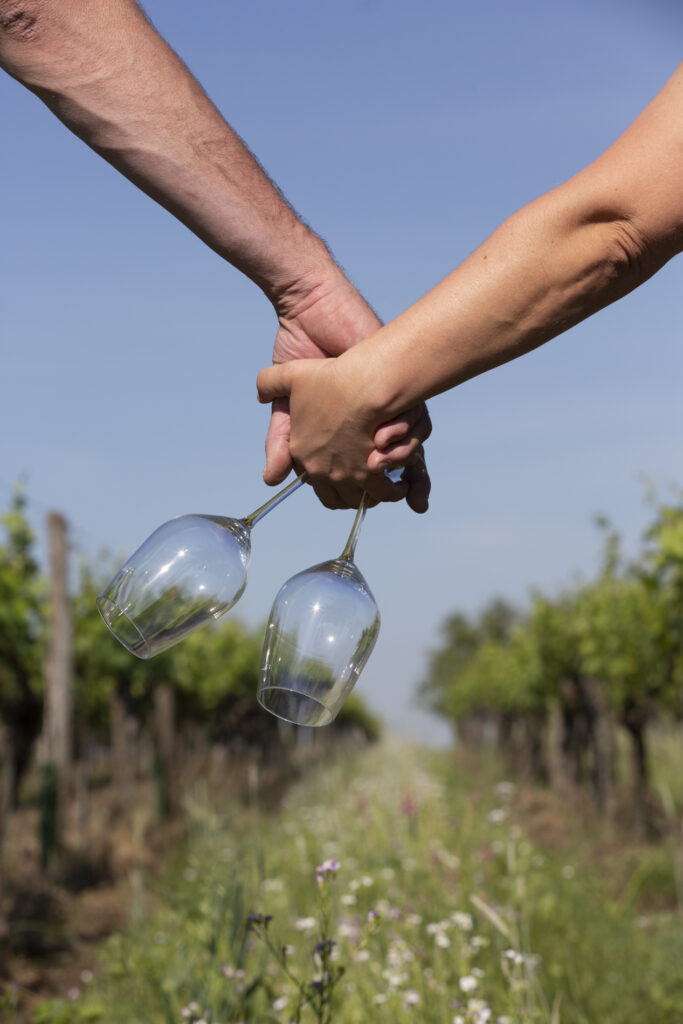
6	790
58	691
168	780
121	766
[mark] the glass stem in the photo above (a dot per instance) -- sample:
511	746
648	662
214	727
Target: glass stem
350	549
250	520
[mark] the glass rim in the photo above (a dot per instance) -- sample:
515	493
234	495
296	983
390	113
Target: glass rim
105	603
264	690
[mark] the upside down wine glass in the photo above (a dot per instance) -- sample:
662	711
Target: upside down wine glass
188	573
322	628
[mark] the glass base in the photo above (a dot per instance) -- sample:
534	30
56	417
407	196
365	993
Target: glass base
294	707
123	628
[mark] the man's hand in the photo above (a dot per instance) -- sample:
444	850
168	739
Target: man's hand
321	320
103	69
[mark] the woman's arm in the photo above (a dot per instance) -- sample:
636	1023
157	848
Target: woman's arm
549	266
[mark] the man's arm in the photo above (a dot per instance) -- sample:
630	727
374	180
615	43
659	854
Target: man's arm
552	264
101	67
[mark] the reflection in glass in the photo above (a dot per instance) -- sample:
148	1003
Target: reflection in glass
188	573
322	628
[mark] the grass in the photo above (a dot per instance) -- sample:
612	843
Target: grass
391	888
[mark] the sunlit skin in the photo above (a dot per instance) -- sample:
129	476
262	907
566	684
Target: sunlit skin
102	68
550	265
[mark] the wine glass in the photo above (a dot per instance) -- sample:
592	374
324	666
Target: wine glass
322	628
188	573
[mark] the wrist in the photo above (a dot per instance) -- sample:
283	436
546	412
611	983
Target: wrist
373	384
300	267
320	303
392	368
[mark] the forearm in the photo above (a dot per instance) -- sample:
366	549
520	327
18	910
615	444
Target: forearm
527	284
549	266
552	264
524	286
107	74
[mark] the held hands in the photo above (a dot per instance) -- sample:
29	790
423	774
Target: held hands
322	318
336	429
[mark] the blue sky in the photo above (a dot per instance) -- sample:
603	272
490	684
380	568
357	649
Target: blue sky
404	133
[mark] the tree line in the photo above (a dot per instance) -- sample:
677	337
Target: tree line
558	685
122	716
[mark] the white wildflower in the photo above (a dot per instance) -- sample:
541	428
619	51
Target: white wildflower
395	978
478	1011
462	921
513	956
436	927
399	953
394	957
497	815
468	983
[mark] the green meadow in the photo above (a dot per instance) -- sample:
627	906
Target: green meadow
397	884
